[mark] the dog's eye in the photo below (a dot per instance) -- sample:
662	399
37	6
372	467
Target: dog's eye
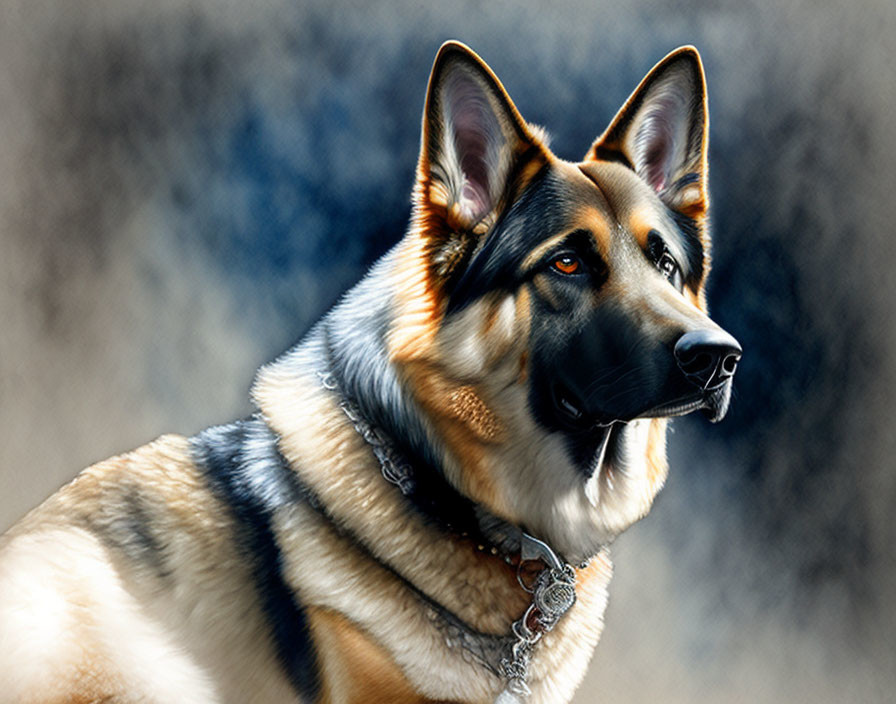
659	254
567	264
667	265
669	268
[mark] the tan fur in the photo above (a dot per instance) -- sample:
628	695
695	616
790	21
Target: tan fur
81	618
641	220
467	406
352	661
378	605
461	438
482	591
418	308
479	588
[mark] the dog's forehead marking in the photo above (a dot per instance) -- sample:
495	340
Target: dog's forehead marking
585	217
636	209
592	219
579	206
589	209
633	204
642	219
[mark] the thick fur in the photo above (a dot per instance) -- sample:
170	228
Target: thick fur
516	348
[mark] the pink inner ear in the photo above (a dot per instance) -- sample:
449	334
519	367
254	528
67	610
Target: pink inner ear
474	202
475	130
655	165
660	138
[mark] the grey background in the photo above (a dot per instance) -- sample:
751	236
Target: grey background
185	186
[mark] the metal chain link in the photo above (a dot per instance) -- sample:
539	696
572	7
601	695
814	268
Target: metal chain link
395	470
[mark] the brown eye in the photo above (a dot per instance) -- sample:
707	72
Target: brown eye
567	264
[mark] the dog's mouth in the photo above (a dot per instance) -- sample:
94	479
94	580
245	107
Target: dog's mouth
678	407
600	437
713	403
578	420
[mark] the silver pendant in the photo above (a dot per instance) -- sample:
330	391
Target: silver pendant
554	594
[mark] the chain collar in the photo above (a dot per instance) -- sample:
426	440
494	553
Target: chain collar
553	590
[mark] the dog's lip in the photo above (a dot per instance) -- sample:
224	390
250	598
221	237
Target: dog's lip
583	422
679	407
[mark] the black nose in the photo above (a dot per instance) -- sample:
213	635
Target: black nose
708	357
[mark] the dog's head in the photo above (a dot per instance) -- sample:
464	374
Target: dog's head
552	314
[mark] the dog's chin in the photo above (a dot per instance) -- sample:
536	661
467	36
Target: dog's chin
602	443
717	401
607	439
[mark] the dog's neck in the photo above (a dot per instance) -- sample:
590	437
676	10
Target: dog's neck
353	339
553	586
311	425
409	461
326	451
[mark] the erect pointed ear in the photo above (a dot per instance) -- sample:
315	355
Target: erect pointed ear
474	145
661	132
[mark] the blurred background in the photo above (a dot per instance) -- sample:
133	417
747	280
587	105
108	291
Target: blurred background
185	186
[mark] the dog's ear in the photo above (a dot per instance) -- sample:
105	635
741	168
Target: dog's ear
661	132
473	145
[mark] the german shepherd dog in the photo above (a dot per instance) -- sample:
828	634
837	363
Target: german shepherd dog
421	508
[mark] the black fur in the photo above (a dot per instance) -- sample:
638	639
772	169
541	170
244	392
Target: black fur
135	532
243	466
693	246
541	211
248	473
